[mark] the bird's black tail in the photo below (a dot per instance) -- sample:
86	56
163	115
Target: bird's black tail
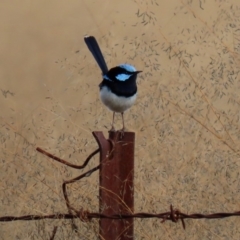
96	52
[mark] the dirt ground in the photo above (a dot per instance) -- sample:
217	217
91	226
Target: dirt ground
186	118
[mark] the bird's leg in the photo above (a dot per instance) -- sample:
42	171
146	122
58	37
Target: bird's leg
123	129
113	129
123	121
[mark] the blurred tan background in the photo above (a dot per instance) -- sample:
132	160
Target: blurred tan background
186	118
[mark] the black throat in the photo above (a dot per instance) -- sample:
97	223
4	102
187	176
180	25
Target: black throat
121	88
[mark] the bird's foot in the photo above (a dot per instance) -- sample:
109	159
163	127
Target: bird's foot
122	133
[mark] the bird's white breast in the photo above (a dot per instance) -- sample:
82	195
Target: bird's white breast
114	102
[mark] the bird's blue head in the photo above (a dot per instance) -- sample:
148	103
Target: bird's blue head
128	67
121	73
121	80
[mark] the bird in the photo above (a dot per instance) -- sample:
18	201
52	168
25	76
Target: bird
118	89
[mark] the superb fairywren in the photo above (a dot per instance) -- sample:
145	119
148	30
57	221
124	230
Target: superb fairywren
118	89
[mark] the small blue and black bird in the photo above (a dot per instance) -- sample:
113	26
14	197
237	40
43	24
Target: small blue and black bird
118	89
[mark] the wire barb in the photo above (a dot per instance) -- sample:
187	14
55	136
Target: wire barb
83	215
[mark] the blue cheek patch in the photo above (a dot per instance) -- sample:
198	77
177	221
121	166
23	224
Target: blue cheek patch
123	77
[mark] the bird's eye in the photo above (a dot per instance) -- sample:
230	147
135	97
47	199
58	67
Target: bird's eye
123	76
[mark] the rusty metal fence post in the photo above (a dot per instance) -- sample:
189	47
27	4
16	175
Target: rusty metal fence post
116	184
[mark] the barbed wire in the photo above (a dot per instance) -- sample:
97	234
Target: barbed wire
173	215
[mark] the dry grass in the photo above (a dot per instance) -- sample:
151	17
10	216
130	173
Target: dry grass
186	118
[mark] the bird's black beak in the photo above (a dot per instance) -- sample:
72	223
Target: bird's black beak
137	72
